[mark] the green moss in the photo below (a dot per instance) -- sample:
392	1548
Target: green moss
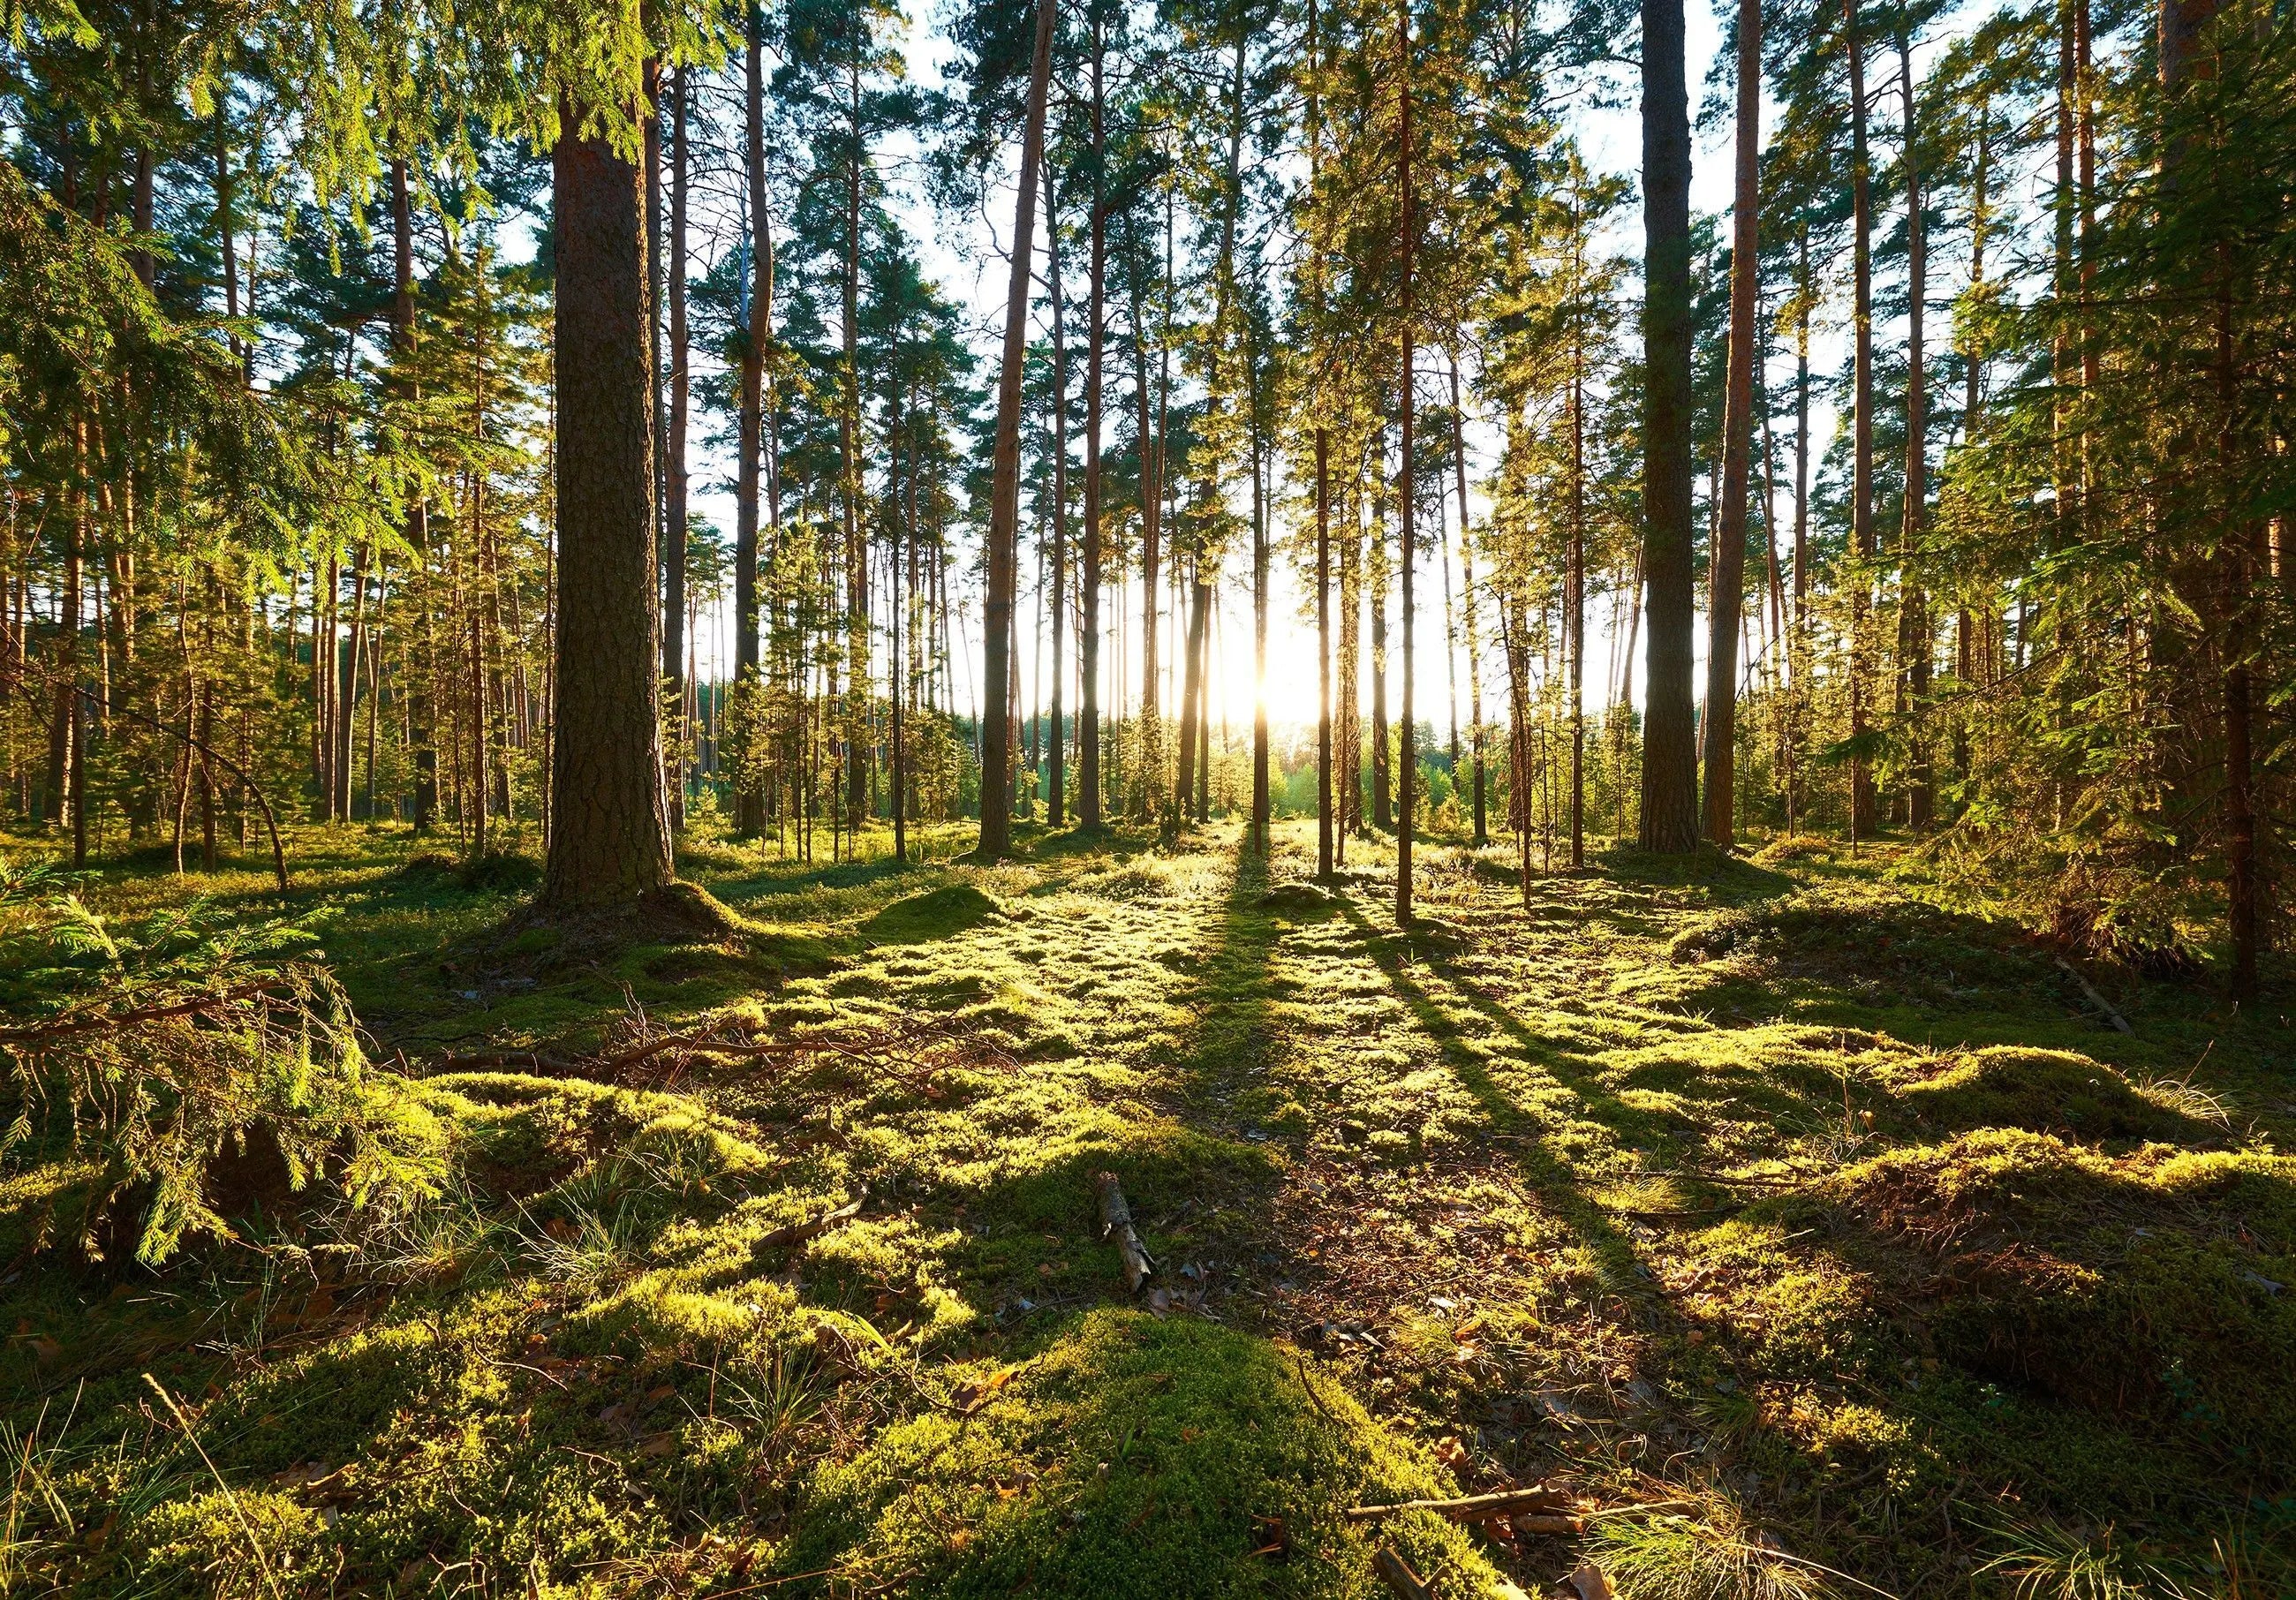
1131	1458
2041	1091
936	914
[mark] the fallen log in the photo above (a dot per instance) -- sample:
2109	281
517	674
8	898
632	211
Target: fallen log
1473	1508
1116	1224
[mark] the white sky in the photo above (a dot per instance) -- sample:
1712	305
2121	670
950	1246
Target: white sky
969	265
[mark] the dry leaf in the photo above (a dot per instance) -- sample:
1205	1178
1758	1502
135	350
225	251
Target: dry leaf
1588	1582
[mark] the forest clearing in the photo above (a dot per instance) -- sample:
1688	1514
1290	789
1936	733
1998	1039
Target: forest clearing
1797	1234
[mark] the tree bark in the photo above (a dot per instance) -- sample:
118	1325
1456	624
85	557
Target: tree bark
1088	781
609	830
1669	776
1056	769
1862	815
1912	621
673	557
749	802
1005	501
1726	569
1407	788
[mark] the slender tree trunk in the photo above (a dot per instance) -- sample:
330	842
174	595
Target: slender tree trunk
1406	819
1004	505
1862	812
1669	776
1056	770
1914	624
609	826
1326	863
1725	580
1151	741
856	551
422	734
1382	772
1088	775
756	319
673	558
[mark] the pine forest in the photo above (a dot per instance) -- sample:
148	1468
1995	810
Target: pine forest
1148	797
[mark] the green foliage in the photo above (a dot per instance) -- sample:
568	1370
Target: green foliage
199	1070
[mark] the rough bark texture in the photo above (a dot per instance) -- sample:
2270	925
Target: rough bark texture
1861	437
610	827
1088	813
1670	779
1407	757
1005	501
1725	569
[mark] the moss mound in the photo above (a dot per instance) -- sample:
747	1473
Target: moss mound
2043	1091
936	914
2154	1284
1133	1458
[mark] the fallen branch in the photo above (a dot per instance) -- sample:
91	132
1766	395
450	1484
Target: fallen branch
1472	1508
1116	1224
1398	1575
2088	989
37	1034
798	1233
1565	1527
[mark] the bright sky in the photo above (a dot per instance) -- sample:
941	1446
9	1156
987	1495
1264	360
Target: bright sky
970	267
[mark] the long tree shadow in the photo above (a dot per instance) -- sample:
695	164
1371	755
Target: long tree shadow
1552	1177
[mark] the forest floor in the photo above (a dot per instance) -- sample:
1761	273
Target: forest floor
1808	1237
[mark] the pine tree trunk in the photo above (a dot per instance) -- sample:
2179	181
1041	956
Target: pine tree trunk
610	829
1056	769
1004	504
1088	774
749	800
1725	580
673	558
1914	623
1670	774
1469	603
1407	789
1862	810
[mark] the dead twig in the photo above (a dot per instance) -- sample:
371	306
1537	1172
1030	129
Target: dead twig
798	1233
1116	1224
2088	991
1472	1508
1397	1573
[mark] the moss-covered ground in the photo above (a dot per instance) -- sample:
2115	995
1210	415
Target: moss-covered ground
1842	1225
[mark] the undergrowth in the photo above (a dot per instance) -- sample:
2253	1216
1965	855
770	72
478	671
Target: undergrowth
1809	1240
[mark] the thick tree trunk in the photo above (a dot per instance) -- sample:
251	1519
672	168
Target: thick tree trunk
1670	776
1005	501
1726	569
609	830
